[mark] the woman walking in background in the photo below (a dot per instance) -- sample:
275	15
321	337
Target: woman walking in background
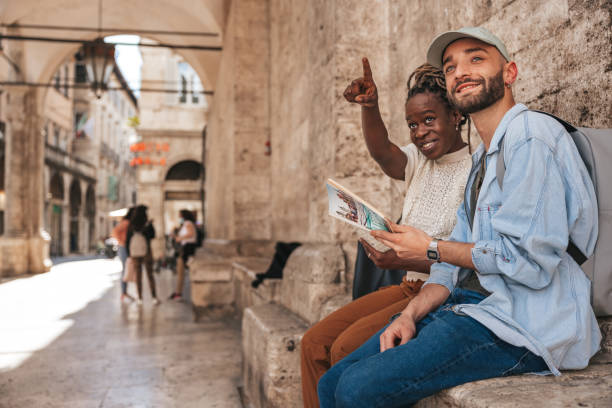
120	234
138	245
187	238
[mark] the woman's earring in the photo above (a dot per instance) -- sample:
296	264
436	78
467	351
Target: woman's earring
457	127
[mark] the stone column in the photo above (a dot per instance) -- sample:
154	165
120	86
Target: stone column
23	248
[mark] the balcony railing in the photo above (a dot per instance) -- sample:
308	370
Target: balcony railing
62	159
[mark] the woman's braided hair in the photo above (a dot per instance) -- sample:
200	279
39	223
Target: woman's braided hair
428	78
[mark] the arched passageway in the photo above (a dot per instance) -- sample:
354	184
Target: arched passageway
90	215
75	209
56	190
185	170
183	190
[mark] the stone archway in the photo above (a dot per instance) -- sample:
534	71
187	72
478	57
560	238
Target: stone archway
90	216
56	191
75	210
185	170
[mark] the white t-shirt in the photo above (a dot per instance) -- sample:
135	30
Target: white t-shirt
183	232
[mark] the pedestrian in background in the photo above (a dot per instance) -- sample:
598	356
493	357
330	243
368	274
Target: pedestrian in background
120	234
138	245
187	238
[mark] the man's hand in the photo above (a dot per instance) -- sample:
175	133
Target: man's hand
409	243
384	260
403	328
363	90
397	333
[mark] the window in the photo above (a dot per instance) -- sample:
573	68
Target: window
183	94
57	81
80	73
194	96
66	79
45	133
56	136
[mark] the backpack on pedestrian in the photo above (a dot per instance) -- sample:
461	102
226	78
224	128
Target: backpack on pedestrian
138	245
595	148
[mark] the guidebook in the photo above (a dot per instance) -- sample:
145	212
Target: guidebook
348	207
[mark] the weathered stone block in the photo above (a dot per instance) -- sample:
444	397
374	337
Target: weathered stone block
605	354
315	263
208	268
334	304
307	299
584	388
221	247
207	294
271	359
244	272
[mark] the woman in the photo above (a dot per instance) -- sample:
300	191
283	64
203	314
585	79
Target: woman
120	234
138	244
187	238
435	168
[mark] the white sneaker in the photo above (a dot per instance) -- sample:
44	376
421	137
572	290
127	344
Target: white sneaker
156	301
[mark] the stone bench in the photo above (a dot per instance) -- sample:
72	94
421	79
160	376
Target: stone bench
211	273
271	336
591	387
271	370
210	277
313	285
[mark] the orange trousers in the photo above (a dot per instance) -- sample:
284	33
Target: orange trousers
343	331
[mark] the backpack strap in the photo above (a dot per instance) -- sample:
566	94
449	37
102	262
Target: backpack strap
500	171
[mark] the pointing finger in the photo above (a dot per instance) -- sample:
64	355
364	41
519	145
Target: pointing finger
367	71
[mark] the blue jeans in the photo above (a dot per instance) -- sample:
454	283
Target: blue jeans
449	349
122	252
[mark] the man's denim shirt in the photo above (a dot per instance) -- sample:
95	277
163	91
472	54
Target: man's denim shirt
540	298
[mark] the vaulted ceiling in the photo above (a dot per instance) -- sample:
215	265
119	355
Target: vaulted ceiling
39	60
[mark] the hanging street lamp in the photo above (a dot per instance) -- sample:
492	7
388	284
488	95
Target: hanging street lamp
99	61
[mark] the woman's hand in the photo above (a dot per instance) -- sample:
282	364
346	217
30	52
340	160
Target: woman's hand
384	260
363	90
409	243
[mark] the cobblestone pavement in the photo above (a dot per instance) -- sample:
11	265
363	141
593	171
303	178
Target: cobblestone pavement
67	341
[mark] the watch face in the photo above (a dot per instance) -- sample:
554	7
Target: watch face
431	254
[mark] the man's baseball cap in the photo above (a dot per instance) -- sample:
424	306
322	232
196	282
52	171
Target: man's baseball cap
439	44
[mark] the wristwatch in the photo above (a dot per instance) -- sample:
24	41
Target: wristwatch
432	250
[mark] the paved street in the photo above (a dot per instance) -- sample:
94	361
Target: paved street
66	341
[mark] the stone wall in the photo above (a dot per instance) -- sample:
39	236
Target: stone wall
238	188
297	69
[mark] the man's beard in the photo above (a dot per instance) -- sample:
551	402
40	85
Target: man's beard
492	91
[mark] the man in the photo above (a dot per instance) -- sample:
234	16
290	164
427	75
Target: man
506	298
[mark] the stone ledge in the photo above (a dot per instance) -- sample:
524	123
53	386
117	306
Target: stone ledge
271	335
585	388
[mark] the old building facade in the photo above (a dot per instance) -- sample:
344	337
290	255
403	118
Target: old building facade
87	172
